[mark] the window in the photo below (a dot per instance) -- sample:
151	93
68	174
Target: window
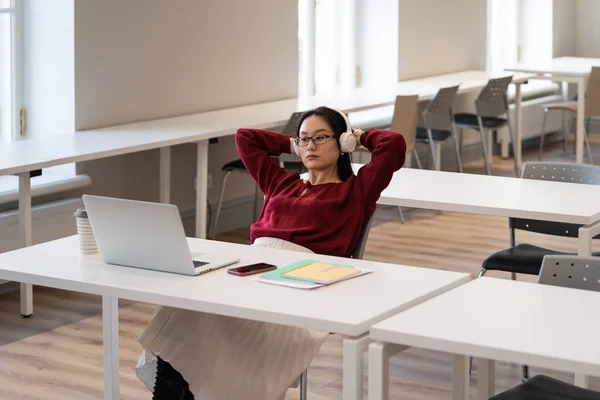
326	41
10	68
520	31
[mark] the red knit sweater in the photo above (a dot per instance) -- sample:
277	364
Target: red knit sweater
328	218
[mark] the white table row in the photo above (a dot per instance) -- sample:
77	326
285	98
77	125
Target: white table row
348	308
499	196
494	319
567	70
23	156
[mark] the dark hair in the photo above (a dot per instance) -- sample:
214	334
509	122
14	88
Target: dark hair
338	125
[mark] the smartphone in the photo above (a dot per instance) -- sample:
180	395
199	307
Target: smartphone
252	269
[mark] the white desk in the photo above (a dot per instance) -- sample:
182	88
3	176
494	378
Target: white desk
496	319
21	157
568	70
364	301
499	196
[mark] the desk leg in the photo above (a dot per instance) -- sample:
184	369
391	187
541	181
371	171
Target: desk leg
201	188
164	195
352	370
460	377
379	369
580	119
486	371
585	236
518	127
581	381
25	232
110	344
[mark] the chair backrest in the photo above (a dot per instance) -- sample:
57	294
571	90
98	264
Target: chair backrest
561	172
571	271
492	100
359	249
404	120
438	114
592	96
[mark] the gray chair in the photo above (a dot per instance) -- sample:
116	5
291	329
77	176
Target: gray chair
292	165
438	125
525	258
571	271
357	253
592	110
404	121
568	271
490	105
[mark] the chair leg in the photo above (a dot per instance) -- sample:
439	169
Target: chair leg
461	137
543	134
417	158
303	384
481	273
512	140
483	146
565	132
436	162
457	147
401	214
525	373
587	140
214	231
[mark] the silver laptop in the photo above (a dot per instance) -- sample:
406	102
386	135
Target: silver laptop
146	235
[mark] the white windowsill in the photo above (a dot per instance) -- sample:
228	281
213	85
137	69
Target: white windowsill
53	180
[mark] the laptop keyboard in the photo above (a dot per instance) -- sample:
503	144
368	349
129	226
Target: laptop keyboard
198	264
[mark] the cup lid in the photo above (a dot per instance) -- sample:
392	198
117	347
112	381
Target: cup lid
81	213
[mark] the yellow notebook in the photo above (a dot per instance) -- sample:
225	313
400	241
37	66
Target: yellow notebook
322	273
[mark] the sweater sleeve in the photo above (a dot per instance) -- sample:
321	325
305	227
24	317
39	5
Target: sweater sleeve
257	148
388	151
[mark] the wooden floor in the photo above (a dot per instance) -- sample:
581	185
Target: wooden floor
57	354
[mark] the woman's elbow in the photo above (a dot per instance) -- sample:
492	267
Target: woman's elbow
398	143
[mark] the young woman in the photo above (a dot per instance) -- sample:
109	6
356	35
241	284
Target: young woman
191	355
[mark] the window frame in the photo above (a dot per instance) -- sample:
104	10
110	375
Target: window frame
345	54
15	11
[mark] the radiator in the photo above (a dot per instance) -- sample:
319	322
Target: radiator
533	117
50	221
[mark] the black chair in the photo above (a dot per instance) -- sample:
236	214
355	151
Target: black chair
566	271
438	125
526	258
542	387
489	106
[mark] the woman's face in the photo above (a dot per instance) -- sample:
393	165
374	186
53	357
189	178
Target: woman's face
325	152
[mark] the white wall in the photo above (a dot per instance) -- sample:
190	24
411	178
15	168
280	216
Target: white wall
143	59
48	67
587	29
147	59
440	36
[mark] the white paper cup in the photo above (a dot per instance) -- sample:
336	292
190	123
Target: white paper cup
87	241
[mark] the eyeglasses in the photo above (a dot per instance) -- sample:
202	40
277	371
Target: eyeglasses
318	140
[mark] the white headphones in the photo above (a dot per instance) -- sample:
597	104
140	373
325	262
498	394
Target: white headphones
347	139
